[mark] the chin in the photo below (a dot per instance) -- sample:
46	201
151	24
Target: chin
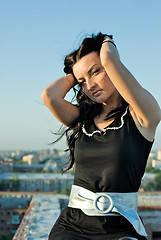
101	100
98	101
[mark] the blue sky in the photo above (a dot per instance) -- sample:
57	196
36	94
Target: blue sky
35	37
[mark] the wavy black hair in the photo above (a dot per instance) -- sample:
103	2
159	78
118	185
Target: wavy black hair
88	108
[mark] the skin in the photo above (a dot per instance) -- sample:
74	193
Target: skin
105	80
53	97
97	85
143	107
95	82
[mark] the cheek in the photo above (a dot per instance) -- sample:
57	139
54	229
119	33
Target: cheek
103	78
106	83
110	84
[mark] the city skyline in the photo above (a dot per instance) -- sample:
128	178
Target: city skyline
36	36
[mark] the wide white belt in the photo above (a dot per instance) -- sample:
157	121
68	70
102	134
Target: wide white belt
105	204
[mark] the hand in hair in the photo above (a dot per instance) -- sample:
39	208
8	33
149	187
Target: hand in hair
108	51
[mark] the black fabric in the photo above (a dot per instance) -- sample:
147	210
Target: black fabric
114	162
73	224
66	235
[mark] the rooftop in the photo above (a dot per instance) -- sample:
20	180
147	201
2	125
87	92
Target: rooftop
40	217
44	209
14	202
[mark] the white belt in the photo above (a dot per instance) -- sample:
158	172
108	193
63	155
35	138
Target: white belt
106	204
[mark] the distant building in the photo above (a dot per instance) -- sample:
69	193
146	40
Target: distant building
43	154
6	167
24	168
152	156
30	159
159	154
46	182
12	210
18	154
156	163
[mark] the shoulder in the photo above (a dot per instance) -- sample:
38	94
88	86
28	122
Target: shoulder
147	132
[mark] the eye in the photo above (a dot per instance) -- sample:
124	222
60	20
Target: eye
95	72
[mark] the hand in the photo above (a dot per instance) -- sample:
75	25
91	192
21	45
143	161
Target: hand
72	81
108	51
108	39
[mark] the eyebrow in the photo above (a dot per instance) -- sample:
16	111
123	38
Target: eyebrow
89	71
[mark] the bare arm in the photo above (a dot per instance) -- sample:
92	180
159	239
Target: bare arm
53	97
144	108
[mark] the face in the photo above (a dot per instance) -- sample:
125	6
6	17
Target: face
94	80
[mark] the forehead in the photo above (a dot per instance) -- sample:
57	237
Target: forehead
85	63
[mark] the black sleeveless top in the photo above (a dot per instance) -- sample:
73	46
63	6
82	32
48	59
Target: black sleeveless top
115	161
110	162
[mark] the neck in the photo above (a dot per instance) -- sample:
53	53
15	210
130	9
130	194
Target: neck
114	102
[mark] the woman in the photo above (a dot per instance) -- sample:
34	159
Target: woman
110	134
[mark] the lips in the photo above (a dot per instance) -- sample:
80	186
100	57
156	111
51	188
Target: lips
96	93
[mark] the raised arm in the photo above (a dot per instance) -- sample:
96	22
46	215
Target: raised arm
143	107
53	97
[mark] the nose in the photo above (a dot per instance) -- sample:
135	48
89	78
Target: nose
90	84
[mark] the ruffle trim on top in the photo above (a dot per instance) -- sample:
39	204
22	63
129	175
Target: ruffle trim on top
103	132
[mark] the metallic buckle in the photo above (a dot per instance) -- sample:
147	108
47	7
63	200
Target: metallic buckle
95	204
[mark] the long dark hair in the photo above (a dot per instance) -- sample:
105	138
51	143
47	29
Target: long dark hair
88	108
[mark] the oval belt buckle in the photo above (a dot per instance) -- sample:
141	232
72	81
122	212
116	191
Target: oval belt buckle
95	203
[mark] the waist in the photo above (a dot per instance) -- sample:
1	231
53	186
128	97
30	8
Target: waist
106	204
100	202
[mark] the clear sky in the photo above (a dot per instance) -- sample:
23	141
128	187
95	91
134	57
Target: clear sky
35	36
